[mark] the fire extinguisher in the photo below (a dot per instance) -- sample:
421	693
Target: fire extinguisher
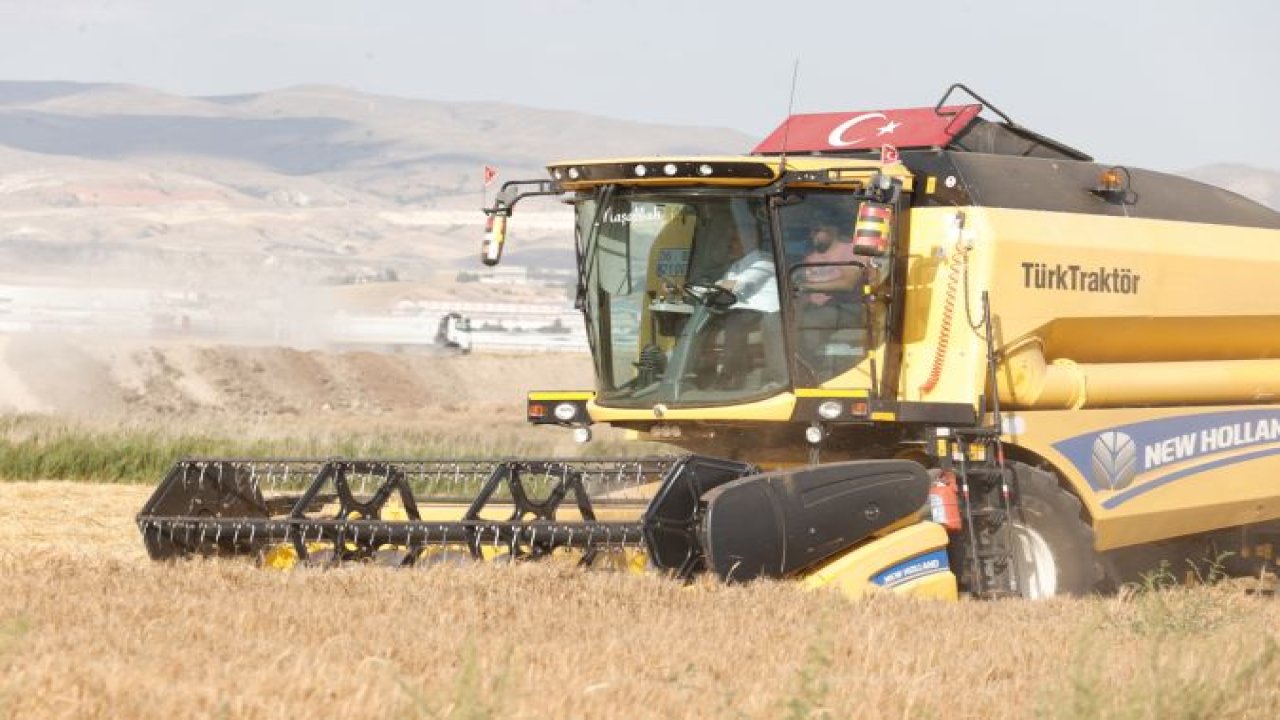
944	501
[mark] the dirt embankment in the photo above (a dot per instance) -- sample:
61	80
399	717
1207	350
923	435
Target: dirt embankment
181	384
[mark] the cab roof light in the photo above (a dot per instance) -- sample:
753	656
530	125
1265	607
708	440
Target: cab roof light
670	170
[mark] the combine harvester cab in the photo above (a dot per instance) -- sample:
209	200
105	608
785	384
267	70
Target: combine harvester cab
923	350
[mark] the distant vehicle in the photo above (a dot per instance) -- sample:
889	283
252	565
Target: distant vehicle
454	333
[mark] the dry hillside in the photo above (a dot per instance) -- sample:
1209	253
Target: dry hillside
318	179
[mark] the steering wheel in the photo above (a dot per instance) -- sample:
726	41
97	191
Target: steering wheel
711	295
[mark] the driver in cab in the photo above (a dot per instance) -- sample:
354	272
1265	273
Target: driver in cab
828	292
753	280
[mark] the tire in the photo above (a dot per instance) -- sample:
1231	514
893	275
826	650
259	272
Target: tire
1053	545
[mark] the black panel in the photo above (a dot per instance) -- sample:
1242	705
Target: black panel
777	524
937	413
670	522
926	163
686	170
984	136
1064	186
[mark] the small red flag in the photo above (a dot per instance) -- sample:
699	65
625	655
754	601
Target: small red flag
490	174
888	155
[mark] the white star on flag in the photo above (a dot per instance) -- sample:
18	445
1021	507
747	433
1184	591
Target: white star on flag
888	128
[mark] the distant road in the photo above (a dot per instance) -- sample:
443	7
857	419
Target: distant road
147	314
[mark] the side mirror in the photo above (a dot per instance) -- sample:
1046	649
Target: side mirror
495	235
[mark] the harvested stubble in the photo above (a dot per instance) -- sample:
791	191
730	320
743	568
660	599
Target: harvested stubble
90	628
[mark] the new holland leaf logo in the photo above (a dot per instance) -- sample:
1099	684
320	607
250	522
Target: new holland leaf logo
1115	460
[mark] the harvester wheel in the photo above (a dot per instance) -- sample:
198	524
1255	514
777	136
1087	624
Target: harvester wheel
1053	545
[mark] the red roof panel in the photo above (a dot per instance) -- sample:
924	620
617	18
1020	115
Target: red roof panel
846	131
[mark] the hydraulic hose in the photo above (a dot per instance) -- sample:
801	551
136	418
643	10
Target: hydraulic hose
956	261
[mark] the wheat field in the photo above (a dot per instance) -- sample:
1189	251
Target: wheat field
90	628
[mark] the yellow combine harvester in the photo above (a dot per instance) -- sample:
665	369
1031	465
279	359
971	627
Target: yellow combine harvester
920	350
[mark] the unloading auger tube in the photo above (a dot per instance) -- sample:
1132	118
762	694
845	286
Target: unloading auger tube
688	514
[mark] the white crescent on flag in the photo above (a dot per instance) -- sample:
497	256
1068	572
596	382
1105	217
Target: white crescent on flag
837	137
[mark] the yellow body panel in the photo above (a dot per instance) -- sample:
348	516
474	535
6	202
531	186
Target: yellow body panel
833	393
917	552
936	332
552	395
1178	309
1180	269
777	408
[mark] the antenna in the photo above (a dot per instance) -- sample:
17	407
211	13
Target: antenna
786	130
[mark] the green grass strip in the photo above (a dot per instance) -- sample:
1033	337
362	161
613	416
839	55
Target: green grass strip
42	450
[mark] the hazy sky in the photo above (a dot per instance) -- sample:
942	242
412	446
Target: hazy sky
1169	85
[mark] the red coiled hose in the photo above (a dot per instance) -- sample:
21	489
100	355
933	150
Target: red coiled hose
948	311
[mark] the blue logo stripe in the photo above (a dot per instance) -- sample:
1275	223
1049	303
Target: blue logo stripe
1127	495
1102	458
924	565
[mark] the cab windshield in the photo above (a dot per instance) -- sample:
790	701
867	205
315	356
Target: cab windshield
681	290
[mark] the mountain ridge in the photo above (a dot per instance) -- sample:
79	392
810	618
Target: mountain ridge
314	177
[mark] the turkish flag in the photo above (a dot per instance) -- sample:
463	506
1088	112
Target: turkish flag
490	174
888	155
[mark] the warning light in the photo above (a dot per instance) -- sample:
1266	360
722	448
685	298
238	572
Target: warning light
871	231
1113	184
